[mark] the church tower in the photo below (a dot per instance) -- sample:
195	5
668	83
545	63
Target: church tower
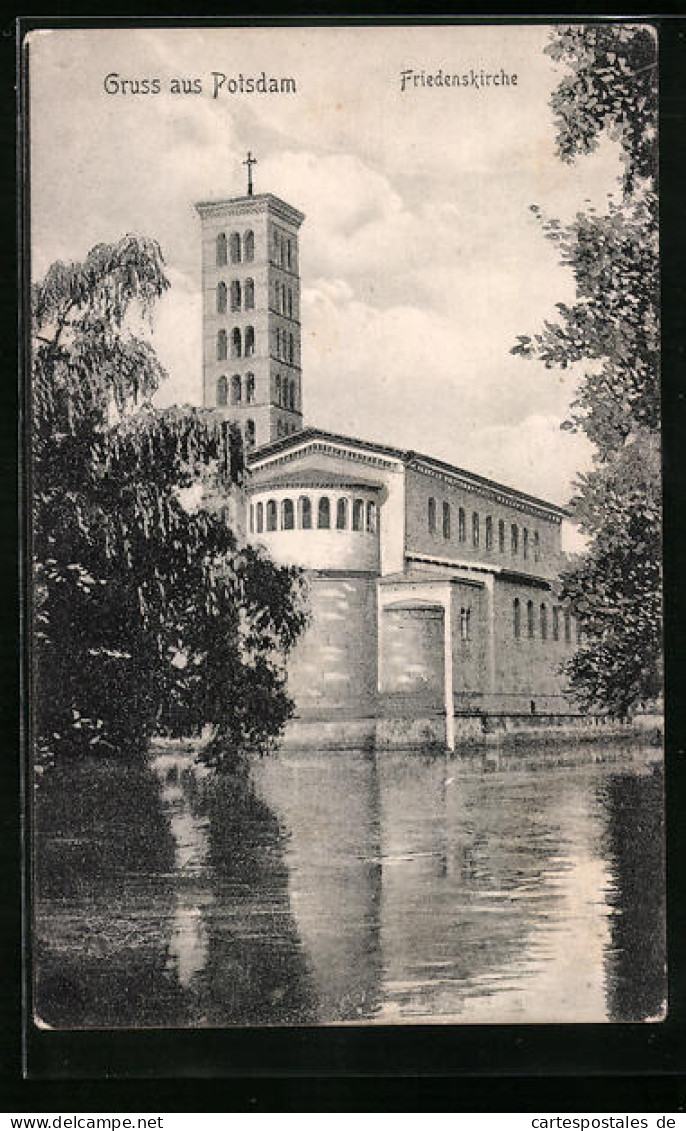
251	313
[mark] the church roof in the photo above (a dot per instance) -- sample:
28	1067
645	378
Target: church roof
408	457
423	577
311	477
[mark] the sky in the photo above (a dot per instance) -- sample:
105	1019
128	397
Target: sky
421	259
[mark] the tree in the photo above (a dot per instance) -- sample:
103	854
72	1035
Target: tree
148	614
613	329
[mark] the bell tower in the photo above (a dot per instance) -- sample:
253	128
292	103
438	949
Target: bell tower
251	313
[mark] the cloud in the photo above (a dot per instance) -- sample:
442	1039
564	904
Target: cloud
421	259
540	444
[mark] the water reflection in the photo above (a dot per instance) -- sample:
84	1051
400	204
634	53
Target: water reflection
339	887
104	882
635	833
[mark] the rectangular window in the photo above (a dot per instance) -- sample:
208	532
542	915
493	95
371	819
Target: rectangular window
446	520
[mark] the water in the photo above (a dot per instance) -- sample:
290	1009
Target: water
347	887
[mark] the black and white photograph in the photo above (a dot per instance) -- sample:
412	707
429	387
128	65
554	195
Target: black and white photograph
346	678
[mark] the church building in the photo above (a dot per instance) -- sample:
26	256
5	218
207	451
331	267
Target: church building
432	590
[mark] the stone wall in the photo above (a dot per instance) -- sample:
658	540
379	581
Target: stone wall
412	647
333	667
529	667
419	539
470	673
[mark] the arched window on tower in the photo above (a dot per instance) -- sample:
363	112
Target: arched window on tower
276	242
235	342
342	514
283	253
517	614
277	342
544	622
324	513
249	341
249	300
446	520
358	514
501	536
475	529
514	538
236	389
222	391
288	254
235	295
249	246
250	434
277	389
530	619
291	353
221	297
291	396
525	543
287	515
431	514
250	388
279	429
371	517
221	249
305	513
221	345
290	303
489	532
235	247
259	518
271	515
461	525
537	546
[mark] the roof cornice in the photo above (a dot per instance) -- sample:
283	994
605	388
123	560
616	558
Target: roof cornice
426	465
252	206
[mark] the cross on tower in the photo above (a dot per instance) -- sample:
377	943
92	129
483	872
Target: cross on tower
250	162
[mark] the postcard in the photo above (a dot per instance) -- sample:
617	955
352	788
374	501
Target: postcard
346	645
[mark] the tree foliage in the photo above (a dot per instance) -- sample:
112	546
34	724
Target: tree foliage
612	328
148	614
611	89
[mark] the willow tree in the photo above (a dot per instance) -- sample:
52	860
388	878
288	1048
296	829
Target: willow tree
612	331
148	614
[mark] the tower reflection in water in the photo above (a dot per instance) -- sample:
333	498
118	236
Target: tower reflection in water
338	887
